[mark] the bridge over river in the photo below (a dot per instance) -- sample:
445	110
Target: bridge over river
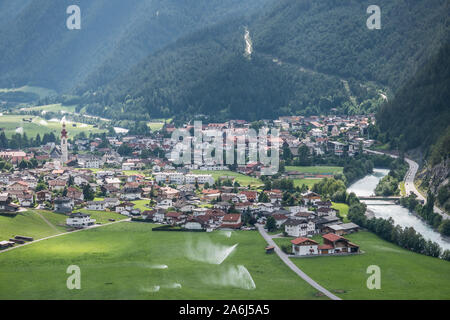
380	198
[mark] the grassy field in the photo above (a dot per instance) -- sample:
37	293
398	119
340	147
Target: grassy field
155	126
343	210
102	217
57	107
242	179
123	261
41	92
140	204
404	274
402	188
312	170
315	169
29	223
309	182
12	124
43	223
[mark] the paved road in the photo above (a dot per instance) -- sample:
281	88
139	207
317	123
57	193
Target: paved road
292	266
409	181
61	234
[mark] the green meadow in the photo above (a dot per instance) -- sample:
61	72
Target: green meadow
43	223
130	261
404	274
343	210
57	107
41	92
315	169
309	182
242	179
11	124
29	223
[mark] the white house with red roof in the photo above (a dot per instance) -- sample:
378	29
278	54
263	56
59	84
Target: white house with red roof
304	247
231	221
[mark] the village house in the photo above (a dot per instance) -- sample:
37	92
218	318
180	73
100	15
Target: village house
6	205
63	205
131	194
18	186
111	202
96	205
342	228
57	185
231	221
312	198
194	224
26	199
76	195
304	246
124	208
333	244
79	220
43	195
299	227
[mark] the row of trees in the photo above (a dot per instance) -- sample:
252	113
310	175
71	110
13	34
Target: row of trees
18	140
426	212
406	238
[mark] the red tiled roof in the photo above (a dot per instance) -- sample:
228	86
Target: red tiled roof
325	247
232	217
232	226
301	240
332	237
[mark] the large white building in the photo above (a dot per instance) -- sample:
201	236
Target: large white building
299	227
180	178
199	178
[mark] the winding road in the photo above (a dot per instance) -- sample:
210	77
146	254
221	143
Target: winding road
409	181
284	257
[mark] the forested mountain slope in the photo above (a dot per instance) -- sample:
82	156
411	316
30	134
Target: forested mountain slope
420	113
307	57
37	48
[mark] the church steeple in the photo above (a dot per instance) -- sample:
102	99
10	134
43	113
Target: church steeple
64	152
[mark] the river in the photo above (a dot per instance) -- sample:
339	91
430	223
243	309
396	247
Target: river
384	209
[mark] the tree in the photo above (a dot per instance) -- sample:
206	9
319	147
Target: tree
88	192
124	150
263	197
444	228
23	164
303	155
271	224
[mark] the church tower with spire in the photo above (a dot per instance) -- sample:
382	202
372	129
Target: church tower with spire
64	152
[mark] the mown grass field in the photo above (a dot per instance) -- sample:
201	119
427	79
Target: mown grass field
11	124
57	107
343	210
43	223
315	169
242	179
309	182
29	223
155	126
102	217
404	274
41	92
122	261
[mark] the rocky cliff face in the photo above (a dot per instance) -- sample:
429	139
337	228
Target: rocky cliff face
436	179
